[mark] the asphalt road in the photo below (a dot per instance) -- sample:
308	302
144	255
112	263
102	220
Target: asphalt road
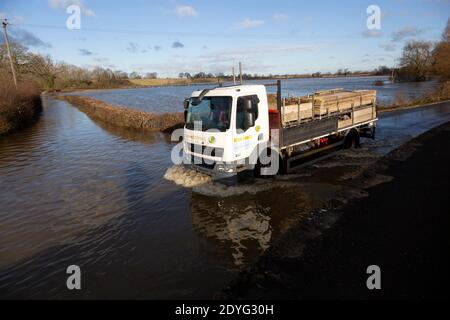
401	227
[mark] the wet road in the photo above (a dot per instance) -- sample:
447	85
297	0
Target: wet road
76	192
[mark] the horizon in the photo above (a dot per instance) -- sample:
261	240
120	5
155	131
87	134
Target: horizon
169	37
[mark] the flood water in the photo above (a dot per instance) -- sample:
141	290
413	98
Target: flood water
170	99
73	191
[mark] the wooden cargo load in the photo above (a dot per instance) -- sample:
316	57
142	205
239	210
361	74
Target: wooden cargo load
339	100
322	103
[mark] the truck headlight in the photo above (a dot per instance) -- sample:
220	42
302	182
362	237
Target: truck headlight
225	167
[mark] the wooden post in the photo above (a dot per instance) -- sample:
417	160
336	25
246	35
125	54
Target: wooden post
240	72
353	114
298	109
373	109
279	95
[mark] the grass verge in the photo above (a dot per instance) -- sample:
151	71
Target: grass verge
18	107
126	117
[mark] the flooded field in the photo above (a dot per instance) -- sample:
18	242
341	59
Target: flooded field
77	192
170	99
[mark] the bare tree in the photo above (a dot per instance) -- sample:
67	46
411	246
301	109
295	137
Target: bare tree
43	68
416	60
441	54
20	58
151	75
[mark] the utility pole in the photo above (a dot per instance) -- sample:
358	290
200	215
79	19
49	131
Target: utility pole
5	23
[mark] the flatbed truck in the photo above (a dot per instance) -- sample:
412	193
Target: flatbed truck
234	129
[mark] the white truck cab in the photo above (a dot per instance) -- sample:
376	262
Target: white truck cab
224	126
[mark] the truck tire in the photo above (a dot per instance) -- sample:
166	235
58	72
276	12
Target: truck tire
351	140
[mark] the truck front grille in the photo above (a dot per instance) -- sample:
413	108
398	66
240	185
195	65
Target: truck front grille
201	162
204	150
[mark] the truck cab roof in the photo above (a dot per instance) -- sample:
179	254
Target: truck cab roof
244	89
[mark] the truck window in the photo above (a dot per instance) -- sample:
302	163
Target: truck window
211	112
240	111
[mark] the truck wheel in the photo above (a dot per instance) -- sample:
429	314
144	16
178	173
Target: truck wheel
374	132
351	140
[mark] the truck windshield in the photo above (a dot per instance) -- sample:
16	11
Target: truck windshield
212	112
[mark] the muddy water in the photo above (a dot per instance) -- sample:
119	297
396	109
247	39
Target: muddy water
110	201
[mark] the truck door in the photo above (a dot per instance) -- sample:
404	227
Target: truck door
247	126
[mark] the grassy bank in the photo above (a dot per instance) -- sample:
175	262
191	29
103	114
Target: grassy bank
134	84
18	107
125	117
170	82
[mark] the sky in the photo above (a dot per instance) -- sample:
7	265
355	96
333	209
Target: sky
268	36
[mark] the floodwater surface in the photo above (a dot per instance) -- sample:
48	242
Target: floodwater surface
170	99
76	192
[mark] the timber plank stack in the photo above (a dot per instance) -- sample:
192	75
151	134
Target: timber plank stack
339	100
326	102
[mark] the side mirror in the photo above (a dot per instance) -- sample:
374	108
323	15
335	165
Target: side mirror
186	104
247	105
249	120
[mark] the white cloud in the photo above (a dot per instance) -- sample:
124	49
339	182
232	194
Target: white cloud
28	38
254	59
249	23
387	46
371	33
406	32
252	53
63	4
280	17
185	11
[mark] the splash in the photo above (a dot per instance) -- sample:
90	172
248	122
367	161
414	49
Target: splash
185	177
205	185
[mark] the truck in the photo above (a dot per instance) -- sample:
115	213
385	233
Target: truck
231	131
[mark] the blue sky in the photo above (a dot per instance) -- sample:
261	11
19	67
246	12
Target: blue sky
169	37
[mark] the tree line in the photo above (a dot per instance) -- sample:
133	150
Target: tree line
51	75
422	59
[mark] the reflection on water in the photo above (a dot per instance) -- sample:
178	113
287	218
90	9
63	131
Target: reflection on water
243	225
240	229
170	99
